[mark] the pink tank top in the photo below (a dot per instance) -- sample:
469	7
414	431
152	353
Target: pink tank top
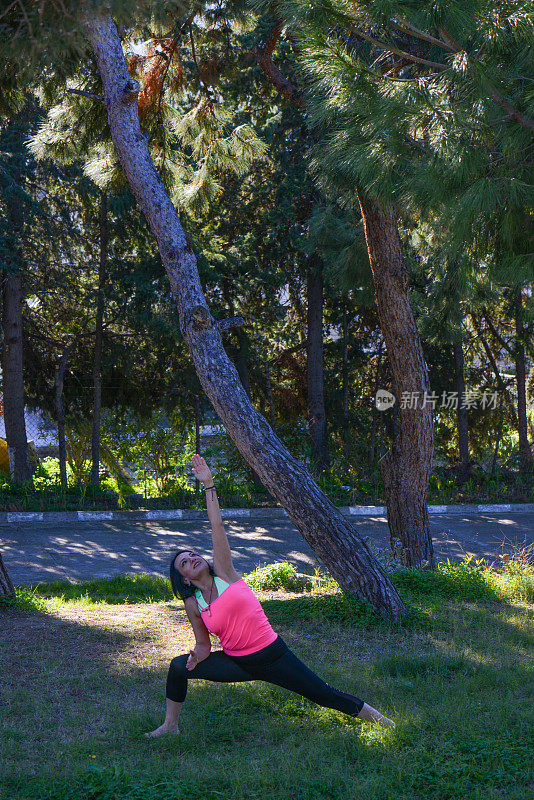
239	621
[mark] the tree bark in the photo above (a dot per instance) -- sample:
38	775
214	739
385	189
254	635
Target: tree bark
374	410
97	362
406	467
395	411
6	586
345	382
60	413
464	467
12	347
332	537
315	373
525	453
12	378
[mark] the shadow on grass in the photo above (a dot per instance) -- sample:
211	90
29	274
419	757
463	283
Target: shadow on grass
77	700
457	581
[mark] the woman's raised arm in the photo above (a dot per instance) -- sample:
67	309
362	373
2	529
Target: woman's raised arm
222	558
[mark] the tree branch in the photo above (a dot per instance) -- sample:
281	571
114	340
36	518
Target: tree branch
389	49
405	27
263	55
501	101
99	97
231	322
500	382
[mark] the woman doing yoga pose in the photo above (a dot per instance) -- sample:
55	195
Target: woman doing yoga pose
219	601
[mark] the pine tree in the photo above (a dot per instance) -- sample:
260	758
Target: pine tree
406	467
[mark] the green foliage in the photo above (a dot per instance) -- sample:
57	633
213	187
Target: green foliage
50	496
457	579
442	487
202	132
408	104
471	579
156	445
233	472
263	184
461	580
282	575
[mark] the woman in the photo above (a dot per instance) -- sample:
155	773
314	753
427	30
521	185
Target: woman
219	601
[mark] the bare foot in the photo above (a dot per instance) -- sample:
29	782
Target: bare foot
161	730
373	716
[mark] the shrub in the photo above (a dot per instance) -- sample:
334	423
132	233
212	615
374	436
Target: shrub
274	577
451	579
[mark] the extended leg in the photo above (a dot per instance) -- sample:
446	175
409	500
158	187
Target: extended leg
290	673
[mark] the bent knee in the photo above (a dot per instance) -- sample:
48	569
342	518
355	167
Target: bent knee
177	666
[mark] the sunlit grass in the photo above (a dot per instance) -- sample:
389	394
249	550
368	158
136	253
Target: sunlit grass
82	677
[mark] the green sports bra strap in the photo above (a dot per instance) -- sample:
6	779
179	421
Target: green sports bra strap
221	586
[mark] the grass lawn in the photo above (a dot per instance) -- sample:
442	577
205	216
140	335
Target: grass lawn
82	676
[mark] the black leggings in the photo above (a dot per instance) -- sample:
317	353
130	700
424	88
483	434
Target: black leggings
273	664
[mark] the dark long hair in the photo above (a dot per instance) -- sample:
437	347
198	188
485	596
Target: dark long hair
179	587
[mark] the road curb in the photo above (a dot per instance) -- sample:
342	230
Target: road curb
162	515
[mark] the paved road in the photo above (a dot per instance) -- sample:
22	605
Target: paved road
36	552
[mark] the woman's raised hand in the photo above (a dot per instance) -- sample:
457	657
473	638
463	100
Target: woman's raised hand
201	470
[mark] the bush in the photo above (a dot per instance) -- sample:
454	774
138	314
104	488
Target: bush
275	577
471	579
450	579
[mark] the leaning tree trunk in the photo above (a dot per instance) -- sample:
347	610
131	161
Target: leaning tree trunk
461	414
315	378
525	453
97	359
6	587
12	378
322	525
406	467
